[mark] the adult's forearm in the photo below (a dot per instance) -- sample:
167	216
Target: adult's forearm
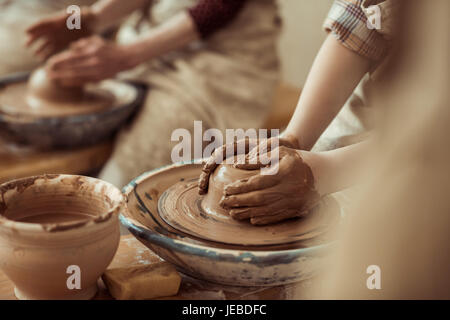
338	169
109	12
174	34
333	77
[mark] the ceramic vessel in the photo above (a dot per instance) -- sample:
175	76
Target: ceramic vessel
41	87
68	131
51	225
208	260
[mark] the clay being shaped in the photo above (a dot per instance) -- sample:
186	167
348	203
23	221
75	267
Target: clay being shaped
58	234
201	217
286	193
41	90
222	176
104	107
42	97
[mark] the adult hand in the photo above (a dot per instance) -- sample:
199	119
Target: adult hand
89	60
266	199
55	35
256	145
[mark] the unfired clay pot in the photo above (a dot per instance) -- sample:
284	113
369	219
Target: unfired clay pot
221	177
50	225
41	90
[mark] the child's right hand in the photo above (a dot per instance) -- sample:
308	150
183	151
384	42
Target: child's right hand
259	146
286	192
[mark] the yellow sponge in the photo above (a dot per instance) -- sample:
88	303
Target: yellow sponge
143	281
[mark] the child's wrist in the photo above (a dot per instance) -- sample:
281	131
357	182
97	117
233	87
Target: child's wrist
318	164
292	138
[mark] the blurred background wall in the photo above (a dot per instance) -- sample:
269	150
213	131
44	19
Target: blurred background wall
302	36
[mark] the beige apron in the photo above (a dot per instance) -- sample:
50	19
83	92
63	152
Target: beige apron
226	82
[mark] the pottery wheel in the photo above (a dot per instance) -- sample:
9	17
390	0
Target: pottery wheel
180	207
107	94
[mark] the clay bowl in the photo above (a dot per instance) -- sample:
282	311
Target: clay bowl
224	263
41	88
51	222
47	131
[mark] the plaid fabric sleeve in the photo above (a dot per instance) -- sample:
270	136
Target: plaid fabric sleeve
348	23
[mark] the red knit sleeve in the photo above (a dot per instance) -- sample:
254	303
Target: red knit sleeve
212	15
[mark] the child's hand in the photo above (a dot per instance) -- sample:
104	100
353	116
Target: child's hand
258	146
268	199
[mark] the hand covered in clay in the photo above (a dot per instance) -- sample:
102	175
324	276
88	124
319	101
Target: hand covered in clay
55	35
258	146
88	60
266	199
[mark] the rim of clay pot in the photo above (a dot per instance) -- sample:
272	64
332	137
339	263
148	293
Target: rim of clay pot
17	184
223	254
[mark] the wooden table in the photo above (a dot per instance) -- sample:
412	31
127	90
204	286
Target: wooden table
132	252
20	162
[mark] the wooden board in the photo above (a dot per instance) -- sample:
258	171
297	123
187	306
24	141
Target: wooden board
132	252
21	162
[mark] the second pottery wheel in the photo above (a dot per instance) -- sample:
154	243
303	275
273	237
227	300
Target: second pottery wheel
41	97
34	112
